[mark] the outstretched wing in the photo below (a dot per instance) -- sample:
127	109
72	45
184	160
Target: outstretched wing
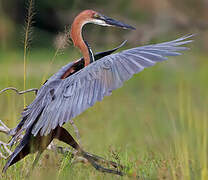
71	96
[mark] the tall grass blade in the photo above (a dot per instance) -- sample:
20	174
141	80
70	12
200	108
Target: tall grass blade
27	38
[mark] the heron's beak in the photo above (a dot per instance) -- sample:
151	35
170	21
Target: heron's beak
112	22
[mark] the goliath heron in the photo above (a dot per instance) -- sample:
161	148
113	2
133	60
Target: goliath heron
79	84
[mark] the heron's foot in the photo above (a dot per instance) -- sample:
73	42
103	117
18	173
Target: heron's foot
104	161
94	160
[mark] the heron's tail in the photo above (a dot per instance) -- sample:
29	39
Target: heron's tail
22	150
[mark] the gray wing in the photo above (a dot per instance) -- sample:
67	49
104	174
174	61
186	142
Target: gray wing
67	98
45	93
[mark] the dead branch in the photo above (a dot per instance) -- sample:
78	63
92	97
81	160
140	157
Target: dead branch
4	129
19	92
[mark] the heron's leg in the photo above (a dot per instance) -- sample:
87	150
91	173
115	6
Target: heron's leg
64	136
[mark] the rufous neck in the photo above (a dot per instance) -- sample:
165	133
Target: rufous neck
76	35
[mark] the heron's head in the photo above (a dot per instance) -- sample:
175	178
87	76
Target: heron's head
90	16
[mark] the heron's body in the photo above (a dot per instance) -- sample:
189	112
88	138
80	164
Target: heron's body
78	85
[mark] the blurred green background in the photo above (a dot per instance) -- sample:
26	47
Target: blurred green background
156	124
153	19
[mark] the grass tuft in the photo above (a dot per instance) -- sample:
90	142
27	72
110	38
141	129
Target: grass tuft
28	37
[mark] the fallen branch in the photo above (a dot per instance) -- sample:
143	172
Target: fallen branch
19	92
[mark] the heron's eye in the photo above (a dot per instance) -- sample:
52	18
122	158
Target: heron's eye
97	16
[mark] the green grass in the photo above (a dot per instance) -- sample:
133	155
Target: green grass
155	125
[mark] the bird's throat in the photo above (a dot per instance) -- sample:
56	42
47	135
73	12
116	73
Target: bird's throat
76	35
